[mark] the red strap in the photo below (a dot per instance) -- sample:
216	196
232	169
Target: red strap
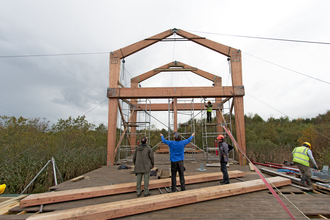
261	176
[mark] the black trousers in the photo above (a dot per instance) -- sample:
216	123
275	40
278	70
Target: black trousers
224	172
209	117
177	167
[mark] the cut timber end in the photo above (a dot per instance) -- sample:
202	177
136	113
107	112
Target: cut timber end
91	192
147	204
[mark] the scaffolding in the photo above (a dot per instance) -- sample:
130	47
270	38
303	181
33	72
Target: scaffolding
185	129
135	130
210	132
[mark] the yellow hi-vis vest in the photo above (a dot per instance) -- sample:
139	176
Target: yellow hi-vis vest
300	155
209	108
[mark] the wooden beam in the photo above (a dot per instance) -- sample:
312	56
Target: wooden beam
147	204
122	135
220	48
225	100
133	48
175	112
122	115
237	80
169	67
114	75
91	192
179	92
165	107
176	69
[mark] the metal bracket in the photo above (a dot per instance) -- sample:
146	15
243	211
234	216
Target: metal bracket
111	92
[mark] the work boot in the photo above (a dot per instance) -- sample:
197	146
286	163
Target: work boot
148	194
138	195
303	183
309	182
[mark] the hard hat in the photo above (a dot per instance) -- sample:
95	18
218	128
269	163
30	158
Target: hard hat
2	188
307	145
220	137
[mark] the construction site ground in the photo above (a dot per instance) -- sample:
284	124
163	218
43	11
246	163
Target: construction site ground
255	205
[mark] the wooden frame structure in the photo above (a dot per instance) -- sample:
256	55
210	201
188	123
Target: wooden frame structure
114	93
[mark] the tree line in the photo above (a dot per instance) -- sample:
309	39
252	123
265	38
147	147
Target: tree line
79	146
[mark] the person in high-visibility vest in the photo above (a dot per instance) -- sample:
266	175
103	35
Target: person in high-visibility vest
301	157
209	112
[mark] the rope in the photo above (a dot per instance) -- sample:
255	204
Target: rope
264	179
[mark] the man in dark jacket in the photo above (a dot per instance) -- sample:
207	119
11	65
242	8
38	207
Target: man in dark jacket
224	149
143	160
177	158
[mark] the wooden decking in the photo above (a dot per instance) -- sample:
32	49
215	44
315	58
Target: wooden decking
253	205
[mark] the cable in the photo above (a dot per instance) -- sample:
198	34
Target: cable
95	107
265	38
267	105
288	69
52	55
232	35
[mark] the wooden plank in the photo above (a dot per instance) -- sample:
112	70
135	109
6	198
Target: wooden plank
75	194
251	167
77	178
271	172
179	92
163	201
12	200
5	209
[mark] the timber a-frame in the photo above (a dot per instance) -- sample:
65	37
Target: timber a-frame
114	93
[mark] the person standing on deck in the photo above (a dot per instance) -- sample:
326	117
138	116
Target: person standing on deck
224	149
143	160
177	158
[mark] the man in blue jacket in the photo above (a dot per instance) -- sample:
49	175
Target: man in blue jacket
177	158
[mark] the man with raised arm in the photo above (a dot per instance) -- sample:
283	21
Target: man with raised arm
177	158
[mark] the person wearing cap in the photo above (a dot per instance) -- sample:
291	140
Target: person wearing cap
301	156
209	112
224	149
177	158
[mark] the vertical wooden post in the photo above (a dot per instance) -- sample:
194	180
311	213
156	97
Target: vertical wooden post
236	68
218	106
114	73
134	84
175	112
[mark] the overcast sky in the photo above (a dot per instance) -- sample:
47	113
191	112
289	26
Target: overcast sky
74	39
